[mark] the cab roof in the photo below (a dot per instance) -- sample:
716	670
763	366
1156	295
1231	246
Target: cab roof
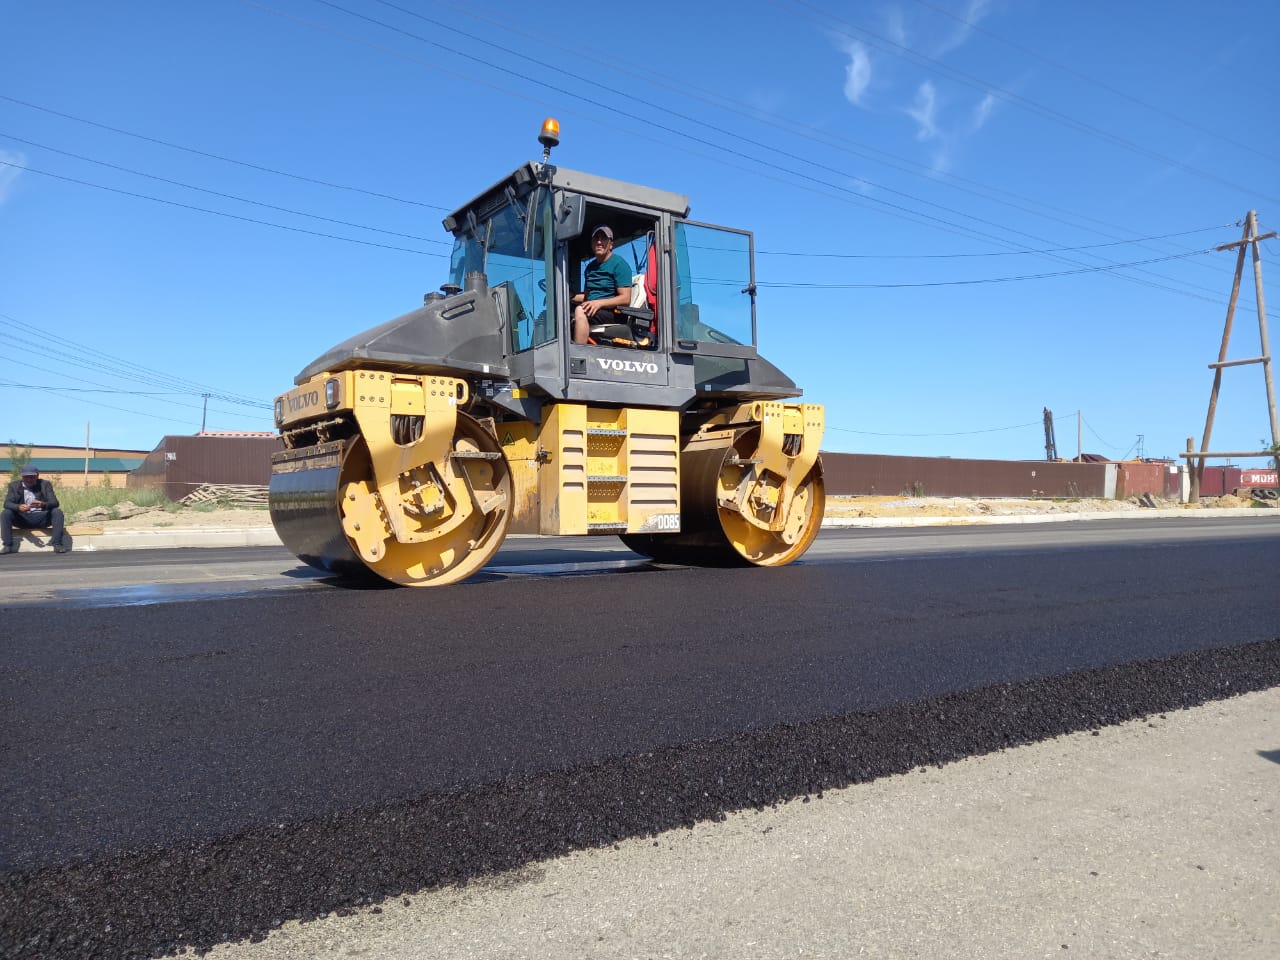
525	178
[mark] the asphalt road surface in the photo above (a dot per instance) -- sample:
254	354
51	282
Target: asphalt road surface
199	745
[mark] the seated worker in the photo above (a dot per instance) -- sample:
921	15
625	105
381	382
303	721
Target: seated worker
31	503
607	285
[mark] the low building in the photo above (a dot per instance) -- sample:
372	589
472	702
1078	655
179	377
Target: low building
78	467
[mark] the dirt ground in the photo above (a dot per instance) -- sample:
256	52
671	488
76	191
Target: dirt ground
158	519
188	518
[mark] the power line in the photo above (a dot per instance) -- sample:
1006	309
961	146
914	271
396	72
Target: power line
824	138
1105	443
781	284
280	226
218	193
375	193
92	403
193	406
214	156
997	253
1102	268
129	370
829	140
848	194
594	83
133	393
958	433
151	139
780	253
220	213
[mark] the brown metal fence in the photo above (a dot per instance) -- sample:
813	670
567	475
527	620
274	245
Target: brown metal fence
864	474
180	465
1135	479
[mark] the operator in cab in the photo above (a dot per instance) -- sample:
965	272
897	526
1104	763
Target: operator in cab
606	286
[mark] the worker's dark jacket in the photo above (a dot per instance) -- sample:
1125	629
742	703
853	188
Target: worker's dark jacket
43	491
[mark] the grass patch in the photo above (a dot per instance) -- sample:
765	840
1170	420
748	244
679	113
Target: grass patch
73	500
76	500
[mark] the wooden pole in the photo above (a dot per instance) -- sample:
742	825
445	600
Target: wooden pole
1262	328
1198	465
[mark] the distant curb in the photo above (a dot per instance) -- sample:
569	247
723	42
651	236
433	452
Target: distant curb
171	538
986	519
175	537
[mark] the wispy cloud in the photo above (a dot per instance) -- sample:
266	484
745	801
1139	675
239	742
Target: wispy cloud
946	137
975	11
896	26
11	165
982	113
943	120
857	72
925	112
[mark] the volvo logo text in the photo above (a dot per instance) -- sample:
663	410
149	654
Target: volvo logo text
303	401
627	366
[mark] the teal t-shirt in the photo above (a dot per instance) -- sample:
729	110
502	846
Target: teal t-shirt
604	280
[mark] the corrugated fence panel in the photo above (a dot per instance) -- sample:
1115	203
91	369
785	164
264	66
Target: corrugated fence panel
193	461
1135	479
1219	480
181	464
865	474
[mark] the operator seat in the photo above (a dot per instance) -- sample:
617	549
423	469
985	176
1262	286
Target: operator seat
640	332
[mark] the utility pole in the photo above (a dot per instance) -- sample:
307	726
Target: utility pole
86	454
1079	436
1249	241
205	414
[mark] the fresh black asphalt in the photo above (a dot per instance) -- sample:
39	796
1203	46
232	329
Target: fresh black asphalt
188	773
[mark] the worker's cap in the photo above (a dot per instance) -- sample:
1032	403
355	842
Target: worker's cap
30	471
602	229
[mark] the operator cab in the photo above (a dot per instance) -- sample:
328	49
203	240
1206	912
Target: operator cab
690	329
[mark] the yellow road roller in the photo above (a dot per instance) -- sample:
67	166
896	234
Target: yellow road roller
412	449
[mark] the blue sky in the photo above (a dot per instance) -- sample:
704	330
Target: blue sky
183	185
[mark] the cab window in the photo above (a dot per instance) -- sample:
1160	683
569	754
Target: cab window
714	279
516	247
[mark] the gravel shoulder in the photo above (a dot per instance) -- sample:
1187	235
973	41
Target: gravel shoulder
1153	838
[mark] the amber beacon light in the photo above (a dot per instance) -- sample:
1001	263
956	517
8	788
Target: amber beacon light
549	137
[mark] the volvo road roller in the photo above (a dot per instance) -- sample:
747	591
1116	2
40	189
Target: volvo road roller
412	449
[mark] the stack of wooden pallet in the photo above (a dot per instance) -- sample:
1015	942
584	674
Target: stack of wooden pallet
239	494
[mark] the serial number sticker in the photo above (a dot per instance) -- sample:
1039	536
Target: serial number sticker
662	523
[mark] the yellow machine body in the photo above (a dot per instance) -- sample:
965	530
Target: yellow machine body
423	493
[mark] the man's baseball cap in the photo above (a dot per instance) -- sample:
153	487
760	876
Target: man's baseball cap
30	471
602	229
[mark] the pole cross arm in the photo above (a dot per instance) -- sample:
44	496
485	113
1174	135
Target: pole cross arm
1240	243
1197	454
1237	363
